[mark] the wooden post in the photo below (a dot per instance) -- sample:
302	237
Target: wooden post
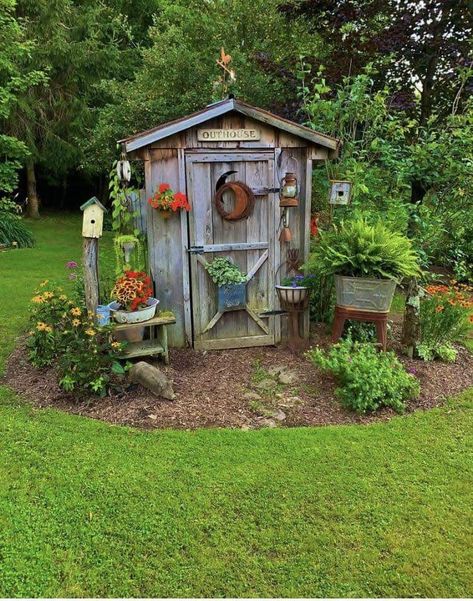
91	274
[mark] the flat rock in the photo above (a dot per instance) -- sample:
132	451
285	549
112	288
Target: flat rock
288	377
279	415
265	384
251	396
291	401
275	370
267	422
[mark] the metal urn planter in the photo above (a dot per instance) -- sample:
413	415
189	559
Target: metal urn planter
364	294
293	298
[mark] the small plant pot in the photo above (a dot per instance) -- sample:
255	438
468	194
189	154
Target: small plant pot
293	298
103	315
231	297
122	316
364	294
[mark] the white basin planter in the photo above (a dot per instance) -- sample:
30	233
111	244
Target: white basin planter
134	316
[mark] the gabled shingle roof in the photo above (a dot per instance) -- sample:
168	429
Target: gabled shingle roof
221	108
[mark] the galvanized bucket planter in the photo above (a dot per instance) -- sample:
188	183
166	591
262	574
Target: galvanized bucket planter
364	294
231	297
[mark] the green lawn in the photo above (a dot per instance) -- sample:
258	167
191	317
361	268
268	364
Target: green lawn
89	509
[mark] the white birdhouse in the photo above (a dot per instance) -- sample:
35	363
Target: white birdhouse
340	192
92	221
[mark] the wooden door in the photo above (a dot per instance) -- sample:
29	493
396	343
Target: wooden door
249	243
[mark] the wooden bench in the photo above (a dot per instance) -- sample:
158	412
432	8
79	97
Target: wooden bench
156	345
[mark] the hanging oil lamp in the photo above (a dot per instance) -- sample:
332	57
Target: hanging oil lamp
288	191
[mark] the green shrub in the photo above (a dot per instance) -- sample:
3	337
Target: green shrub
444	318
12	228
358	249
223	272
63	335
367	379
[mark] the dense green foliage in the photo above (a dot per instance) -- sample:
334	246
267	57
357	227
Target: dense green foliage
63	335
12	228
223	272
358	249
368	379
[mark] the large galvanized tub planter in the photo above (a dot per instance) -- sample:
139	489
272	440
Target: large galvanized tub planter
364	293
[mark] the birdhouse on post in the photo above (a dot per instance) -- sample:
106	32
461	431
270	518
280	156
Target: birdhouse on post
92	226
92	222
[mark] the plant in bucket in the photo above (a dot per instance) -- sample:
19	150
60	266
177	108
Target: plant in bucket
367	262
231	283
167	202
133	302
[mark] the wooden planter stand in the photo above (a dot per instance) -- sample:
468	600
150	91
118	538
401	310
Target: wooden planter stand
379	319
157	345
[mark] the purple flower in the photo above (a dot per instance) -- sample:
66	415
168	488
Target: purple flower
412	370
71	265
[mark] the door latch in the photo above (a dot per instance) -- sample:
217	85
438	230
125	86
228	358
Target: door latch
195	250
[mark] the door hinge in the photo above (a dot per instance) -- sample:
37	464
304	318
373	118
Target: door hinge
195	250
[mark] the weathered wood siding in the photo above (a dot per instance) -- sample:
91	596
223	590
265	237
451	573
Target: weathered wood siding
168	239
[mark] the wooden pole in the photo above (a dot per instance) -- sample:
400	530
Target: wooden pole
91	274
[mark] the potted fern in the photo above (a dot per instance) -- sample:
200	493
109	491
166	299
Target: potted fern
367	262
231	284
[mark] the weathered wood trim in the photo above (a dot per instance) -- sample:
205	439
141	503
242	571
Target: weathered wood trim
212	322
257	320
243	342
228	157
91	273
306	235
186	287
275	242
257	265
231	246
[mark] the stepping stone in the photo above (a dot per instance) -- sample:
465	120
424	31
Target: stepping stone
288	377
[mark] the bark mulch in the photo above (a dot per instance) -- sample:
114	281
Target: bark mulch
236	389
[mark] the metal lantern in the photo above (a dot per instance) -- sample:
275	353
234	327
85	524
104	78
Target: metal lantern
288	191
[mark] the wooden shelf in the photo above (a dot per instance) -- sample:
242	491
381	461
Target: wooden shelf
156	321
142	349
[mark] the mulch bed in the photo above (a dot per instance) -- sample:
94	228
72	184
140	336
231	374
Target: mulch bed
219	389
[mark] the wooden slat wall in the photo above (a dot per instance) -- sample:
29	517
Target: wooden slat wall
165	244
168	239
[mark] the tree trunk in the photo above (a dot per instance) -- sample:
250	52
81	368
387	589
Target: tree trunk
411	326
32	208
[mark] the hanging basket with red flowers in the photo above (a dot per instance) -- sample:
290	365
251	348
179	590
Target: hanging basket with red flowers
168	202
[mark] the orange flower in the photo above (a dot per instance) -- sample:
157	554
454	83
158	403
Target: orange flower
439	309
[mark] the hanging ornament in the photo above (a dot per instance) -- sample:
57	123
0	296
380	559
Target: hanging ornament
123	169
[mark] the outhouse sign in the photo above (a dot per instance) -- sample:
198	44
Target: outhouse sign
228	135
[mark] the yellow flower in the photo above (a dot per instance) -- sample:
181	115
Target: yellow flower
76	322
116	345
45	283
38	299
76	311
63	297
90	332
43	327
48	329
48	295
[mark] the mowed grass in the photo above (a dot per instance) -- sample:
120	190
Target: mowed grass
90	509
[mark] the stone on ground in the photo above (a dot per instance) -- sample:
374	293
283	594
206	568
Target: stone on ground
152	378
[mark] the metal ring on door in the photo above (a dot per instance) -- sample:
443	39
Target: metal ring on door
244	201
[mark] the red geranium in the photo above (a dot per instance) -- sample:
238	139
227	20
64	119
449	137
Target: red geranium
165	200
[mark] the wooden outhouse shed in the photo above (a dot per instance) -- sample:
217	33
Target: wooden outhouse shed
234	142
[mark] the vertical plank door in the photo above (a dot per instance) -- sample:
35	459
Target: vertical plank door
249	243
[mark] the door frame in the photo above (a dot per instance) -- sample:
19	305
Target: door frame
215	156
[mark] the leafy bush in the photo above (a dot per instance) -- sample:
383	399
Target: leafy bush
64	335
358	249
223	272
368	379
444	315
12	228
